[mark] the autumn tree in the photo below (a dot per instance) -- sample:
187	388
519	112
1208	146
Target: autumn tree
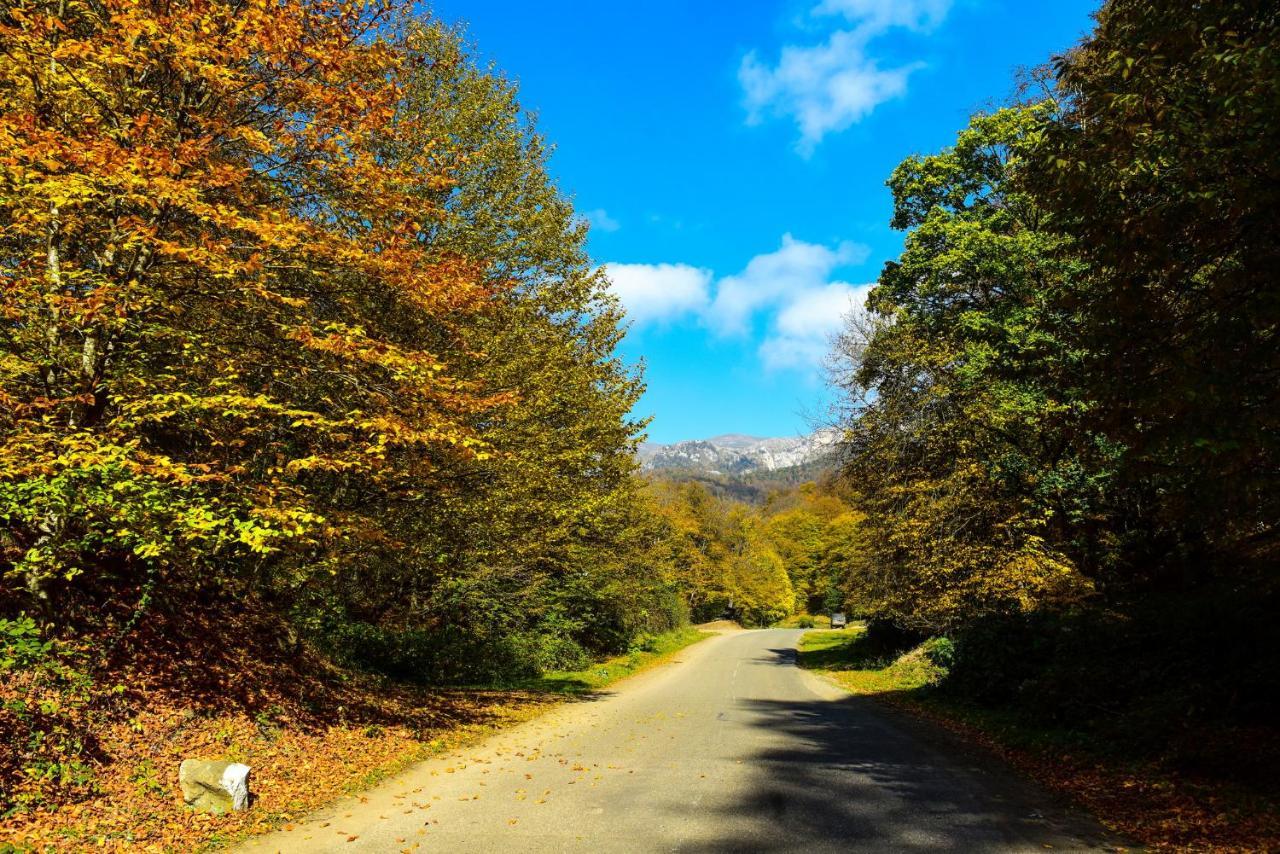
201	242
812	529
531	547
719	555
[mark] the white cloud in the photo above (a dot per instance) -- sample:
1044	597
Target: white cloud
829	86
789	294
801	333
658	292
776	278
600	220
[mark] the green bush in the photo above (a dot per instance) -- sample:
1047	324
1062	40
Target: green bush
805	622
21	647
645	642
890	639
1161	676
941	652
453	655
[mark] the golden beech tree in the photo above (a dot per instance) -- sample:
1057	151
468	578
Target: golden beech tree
201	248
530	540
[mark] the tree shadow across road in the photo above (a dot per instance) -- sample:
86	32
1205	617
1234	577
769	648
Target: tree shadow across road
851	775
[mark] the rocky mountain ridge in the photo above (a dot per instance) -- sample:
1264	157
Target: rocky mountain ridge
737	454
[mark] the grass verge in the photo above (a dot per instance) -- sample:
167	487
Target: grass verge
655	650
1162	809
852	660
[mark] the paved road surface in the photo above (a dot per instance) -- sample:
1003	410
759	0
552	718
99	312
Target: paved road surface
731	748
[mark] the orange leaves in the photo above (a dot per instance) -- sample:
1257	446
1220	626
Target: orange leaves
301	759
213	265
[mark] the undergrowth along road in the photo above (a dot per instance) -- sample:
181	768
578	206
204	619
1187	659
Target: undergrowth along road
1141	800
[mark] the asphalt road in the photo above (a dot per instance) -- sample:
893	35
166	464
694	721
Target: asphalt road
729	748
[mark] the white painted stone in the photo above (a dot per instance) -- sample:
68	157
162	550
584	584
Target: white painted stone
214	786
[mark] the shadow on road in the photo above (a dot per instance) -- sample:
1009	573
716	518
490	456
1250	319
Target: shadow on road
782	657
846	775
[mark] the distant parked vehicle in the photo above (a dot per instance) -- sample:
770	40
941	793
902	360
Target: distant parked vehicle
838	621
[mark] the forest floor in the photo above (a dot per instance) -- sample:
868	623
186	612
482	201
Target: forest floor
1142	800
312	732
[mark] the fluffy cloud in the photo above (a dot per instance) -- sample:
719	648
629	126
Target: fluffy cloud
776	279
801	334
788	296
828	86
658	292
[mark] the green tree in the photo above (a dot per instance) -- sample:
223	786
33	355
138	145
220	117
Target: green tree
1164	167
960	392
534	538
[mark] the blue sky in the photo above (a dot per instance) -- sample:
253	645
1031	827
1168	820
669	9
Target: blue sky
732	159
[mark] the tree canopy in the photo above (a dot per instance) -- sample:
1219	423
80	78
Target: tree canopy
1061	387
293	309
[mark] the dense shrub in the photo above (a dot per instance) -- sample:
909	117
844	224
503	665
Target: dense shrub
940	652
456	655
1193	680
890	638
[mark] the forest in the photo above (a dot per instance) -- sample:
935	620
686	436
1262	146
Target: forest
1060	406
307	375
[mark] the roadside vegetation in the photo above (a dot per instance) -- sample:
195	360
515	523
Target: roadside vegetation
316	451
308	396
865	664
1056	430
1109	770
646	651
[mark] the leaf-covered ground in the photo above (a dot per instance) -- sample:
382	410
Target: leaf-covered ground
310	731
1160	809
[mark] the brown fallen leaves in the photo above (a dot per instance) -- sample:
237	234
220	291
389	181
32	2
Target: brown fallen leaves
310	731
293	773
1161	810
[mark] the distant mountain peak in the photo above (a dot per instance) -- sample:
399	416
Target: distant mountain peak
737	454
